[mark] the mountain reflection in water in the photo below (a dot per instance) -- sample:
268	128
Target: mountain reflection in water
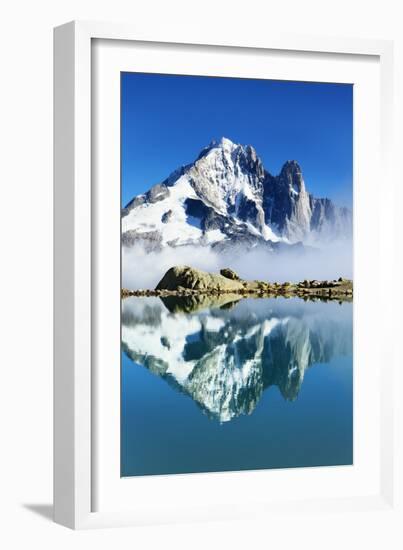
225	352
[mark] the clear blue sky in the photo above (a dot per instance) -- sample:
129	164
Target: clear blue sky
166	120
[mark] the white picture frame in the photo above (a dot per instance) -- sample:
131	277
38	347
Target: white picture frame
80	308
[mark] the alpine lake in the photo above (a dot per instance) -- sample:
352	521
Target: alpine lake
231	382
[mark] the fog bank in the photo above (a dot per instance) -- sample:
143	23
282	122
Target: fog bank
142	270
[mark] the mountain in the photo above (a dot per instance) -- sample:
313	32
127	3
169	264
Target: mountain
226	199
224	357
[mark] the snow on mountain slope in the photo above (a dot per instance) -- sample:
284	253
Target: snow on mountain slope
179	228
226	196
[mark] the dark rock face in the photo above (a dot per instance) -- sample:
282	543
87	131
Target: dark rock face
197	208
210	219
251	163
248	211
287	203
166	216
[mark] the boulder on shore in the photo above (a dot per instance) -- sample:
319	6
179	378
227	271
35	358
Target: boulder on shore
196	279
230	274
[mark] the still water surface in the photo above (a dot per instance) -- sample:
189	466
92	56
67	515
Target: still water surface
235	385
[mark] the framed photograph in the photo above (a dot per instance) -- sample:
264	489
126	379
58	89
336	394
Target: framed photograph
222	254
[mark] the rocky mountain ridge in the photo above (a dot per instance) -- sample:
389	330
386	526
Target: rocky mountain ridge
226	199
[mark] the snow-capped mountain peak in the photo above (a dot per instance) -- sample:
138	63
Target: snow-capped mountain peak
222	144
225	174
226	198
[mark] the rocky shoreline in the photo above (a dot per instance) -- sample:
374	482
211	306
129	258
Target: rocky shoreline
182	281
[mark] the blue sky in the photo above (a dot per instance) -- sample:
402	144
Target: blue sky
166	120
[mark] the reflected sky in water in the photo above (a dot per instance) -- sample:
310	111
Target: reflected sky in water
235	384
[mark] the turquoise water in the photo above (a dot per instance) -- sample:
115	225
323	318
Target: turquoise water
254	384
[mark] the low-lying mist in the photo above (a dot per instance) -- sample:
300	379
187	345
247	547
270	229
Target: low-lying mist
141	270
